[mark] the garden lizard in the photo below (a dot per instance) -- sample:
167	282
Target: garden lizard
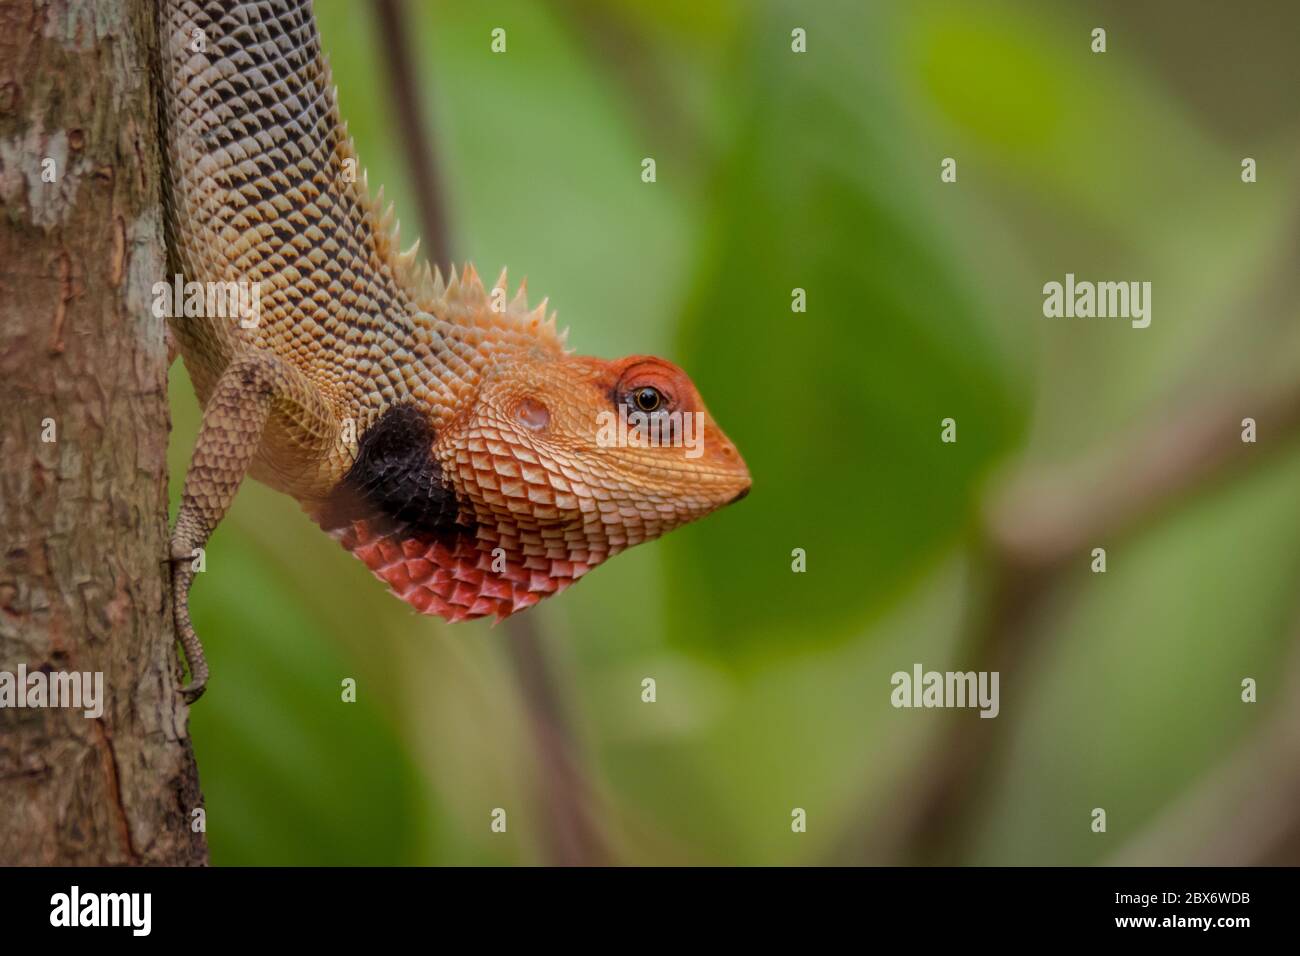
440	430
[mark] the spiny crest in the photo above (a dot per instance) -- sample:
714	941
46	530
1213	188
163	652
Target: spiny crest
461	300
501	319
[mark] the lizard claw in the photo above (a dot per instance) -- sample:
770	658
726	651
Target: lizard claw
194	690
182	577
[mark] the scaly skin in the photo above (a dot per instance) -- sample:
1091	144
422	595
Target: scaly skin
442	433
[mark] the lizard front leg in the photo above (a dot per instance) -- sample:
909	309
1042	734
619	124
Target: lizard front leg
252	389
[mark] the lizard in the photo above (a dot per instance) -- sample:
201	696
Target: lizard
441	431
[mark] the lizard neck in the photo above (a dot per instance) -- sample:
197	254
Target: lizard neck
264	189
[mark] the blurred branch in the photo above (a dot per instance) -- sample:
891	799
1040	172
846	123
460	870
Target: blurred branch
645	83
421	160
1037	528
1043	521
574	835
567	797
1258	790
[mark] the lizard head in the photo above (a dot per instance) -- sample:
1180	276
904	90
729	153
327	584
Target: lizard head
552	464
563	463
614	452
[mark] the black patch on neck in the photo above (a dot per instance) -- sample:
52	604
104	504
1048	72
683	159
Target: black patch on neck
396	483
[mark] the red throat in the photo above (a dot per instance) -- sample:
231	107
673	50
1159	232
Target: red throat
458	580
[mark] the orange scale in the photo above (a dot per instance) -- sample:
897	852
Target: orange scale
524	599
370	555
397	577
464	596
419	568
516	573
424	601
417	598
496	588
539	582
467	573
389	550
440	555
492	496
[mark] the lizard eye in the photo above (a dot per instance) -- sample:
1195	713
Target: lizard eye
647	399
532	414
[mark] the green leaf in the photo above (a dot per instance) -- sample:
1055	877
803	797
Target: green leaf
838	410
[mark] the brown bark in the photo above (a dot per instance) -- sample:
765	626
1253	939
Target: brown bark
83	518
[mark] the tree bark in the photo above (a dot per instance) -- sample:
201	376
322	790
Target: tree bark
83	469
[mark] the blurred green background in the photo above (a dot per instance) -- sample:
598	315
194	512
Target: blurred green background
820	171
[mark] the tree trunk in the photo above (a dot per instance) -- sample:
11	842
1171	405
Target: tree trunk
83	470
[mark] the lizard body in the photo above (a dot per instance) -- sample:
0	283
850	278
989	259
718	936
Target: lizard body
441	431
